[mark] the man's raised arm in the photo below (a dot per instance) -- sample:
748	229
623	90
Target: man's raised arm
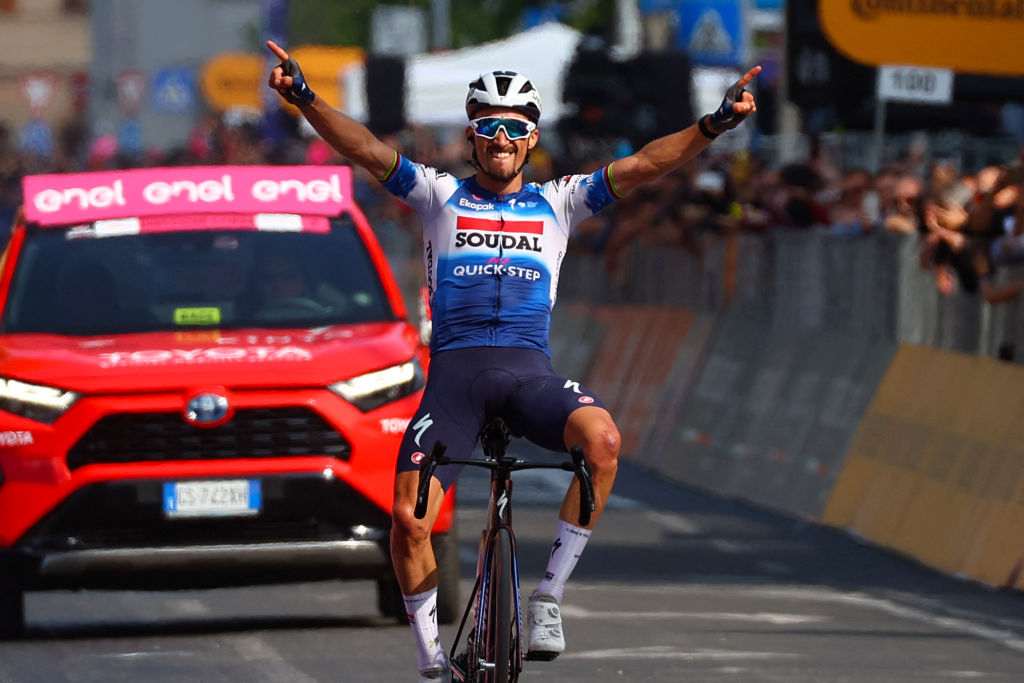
660	156
350	138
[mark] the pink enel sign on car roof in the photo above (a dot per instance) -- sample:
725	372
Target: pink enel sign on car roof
69	199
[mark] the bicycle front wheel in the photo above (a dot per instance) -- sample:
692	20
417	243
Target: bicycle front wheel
501	633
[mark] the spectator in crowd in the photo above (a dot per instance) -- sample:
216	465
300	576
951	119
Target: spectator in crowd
970	225
966	243
903	212
999	211
795	203
855	211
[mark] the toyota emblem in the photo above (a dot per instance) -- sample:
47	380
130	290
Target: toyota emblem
206	409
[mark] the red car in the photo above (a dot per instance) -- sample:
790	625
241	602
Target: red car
205	374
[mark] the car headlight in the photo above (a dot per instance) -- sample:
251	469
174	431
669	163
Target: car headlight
375	389
34	401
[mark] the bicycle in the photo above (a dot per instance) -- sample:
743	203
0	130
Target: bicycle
492	651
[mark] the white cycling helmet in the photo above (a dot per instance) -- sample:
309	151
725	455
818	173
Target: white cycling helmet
504	89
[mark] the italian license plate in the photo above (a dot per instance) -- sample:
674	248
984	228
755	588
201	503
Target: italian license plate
223	498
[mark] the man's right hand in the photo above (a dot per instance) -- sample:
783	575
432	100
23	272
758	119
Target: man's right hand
287	79
348	137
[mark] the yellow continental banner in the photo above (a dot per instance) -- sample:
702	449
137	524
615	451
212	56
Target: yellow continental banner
936	468
236	80
972	36
232	79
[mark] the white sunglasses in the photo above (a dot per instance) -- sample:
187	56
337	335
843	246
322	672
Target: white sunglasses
515	129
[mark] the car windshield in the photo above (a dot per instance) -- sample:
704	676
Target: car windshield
68	281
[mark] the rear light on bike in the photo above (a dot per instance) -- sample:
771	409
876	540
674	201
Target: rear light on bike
381	387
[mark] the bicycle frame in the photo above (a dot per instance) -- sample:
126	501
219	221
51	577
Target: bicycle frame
477	664
500	518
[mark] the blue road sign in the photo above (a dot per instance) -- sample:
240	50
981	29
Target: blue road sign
129	136
713	32
174	91
37	137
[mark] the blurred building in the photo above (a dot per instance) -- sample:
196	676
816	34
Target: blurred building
45	51
148	55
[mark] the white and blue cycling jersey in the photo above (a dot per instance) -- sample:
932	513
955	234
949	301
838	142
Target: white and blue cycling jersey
492	260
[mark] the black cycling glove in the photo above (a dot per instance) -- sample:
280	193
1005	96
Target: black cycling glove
717	122
299	94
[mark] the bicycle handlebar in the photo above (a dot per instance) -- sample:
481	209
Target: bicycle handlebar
582	473
427	467
578	467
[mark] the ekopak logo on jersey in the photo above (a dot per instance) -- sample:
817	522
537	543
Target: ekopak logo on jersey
80	197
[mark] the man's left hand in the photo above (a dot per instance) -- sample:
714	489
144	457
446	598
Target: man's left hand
737	105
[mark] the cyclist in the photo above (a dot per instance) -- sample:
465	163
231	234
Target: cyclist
492	247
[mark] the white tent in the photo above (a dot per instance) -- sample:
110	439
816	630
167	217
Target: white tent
436	84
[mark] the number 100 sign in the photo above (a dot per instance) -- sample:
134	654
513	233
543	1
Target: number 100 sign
915	84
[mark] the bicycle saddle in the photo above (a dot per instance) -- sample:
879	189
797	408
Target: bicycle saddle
495	435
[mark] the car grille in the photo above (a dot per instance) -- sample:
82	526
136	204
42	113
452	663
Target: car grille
251	433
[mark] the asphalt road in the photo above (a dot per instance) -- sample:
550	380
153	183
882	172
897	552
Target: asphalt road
676	585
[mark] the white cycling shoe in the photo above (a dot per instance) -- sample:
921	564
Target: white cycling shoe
437	674
544	623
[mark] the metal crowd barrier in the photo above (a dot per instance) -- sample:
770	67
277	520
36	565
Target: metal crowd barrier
869	287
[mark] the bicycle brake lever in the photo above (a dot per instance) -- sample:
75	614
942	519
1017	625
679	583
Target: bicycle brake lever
586	485
427	468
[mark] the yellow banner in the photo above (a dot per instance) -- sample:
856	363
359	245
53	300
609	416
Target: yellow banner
236	80
970	36
936	469
233	79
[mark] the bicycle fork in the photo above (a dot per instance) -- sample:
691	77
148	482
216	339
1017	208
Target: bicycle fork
483	665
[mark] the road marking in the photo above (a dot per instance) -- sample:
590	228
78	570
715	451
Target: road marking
141	655
1005	637
732	547
963	674
272	665
664	652
674	523
573	611
189	607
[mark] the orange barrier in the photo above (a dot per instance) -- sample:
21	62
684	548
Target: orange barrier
936	468
633	361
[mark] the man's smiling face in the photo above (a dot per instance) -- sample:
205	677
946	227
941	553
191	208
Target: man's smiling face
500	157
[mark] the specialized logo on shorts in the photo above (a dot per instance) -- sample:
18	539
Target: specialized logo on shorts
422	425
575	386
417	457
586	399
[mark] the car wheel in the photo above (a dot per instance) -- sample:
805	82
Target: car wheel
446	550
389	598
12	604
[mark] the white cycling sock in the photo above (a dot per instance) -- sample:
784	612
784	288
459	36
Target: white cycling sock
565	552
422	612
